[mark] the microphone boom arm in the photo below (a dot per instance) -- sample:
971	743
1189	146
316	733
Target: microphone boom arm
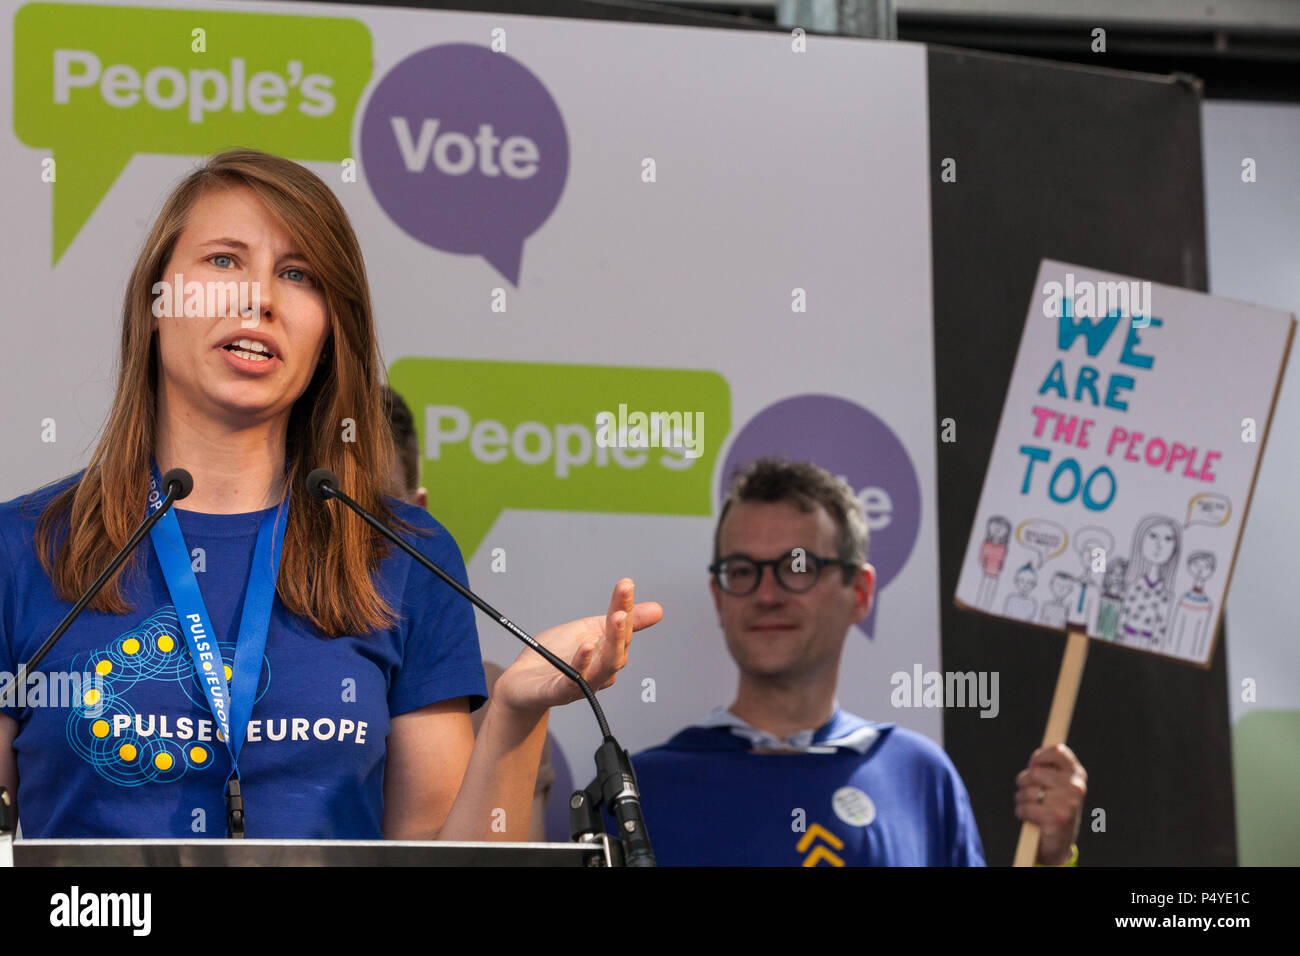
616	778
327	489
176	489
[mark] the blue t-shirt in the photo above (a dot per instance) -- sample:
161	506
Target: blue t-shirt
708	800
118	740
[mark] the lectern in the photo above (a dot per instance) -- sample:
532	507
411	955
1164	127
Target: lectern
156	853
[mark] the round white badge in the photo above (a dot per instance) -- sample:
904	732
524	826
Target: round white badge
853	806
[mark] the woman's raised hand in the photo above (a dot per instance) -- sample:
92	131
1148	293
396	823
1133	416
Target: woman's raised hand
596	647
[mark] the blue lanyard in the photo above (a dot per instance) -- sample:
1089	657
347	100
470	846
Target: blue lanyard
232	715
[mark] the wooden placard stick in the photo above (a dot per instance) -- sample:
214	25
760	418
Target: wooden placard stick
1058	723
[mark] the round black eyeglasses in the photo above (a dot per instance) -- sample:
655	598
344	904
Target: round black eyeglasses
798	571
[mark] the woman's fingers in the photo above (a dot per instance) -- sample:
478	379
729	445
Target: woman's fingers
582	661
624	625
605	651
621	599
624	599
613	649
646	614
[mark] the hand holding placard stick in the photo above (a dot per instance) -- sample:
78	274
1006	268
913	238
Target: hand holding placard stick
1122	470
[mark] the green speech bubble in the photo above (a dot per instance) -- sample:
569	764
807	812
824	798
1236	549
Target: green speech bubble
498	435
96	84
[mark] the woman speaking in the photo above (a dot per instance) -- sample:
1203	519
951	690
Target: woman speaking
344	671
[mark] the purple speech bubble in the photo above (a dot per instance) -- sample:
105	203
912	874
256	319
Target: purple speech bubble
849	441
466	151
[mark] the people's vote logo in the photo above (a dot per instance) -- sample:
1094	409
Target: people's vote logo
466	151
849	441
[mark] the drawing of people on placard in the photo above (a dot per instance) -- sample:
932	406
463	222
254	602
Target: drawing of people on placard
1054	611
1020	605
1093	547
1112	599
993	555
1194	611
1151	566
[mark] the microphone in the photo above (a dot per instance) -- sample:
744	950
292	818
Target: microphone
614	767
181	478
320	482
177	484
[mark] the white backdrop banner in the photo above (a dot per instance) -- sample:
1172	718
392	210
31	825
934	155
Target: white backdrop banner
560	218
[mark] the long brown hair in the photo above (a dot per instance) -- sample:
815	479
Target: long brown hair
329	553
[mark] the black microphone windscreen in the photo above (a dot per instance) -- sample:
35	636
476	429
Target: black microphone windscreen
181	477
319	477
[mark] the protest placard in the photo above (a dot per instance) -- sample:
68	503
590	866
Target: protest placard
1124	461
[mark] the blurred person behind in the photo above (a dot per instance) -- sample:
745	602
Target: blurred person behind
404	483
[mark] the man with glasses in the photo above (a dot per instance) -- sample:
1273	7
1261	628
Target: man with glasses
783	777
